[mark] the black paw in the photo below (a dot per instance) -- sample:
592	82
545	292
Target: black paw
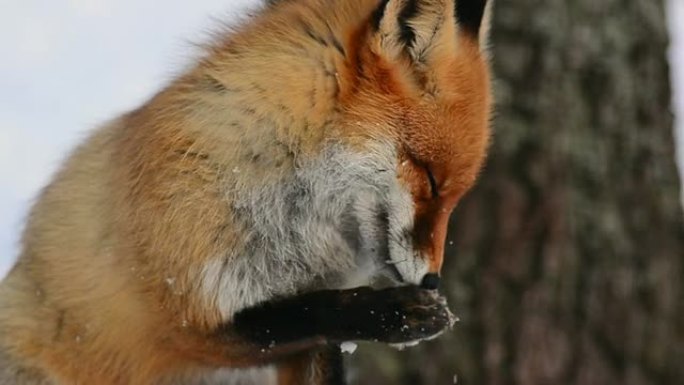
396	315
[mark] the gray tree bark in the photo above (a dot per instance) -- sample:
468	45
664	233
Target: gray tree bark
566	263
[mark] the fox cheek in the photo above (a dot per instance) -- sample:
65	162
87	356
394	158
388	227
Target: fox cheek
430	234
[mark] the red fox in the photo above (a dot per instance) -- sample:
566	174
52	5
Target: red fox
228	229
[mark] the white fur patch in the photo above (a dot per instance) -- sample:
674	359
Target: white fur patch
402	254
334	222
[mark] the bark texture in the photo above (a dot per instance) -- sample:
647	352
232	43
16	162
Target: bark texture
566	263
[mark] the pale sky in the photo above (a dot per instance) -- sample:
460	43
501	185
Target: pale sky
69	65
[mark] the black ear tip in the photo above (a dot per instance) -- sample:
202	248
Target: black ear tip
430	281
377	15
469	14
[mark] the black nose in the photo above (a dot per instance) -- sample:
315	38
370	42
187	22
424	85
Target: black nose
430	281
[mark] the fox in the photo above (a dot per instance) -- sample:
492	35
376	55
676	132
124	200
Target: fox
287	193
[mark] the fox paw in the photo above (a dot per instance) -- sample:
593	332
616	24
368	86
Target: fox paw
419	315
401	315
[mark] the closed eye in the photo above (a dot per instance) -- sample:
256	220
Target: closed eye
433	183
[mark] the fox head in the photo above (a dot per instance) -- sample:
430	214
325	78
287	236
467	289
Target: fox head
423	82
379	111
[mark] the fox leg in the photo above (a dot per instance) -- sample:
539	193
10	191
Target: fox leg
328	366
394	315
391	315
276	331
322	366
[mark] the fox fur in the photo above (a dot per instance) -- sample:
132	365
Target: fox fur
316	145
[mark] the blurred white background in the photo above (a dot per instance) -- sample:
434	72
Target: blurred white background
68	65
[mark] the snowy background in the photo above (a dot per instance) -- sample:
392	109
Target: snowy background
68	65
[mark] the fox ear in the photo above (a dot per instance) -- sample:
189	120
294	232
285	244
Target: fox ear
485	23
417	26
473	16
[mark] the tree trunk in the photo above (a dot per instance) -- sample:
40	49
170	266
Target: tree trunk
566	263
